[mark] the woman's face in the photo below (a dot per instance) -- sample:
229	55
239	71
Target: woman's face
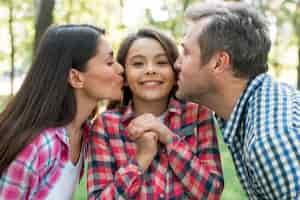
148	72
103	76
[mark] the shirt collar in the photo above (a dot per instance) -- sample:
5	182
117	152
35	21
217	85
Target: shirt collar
61	133
231	127
174	106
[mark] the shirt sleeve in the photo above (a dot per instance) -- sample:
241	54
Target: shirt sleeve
199	171
20	180
104	180
274	163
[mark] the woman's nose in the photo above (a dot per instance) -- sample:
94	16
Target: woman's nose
119	68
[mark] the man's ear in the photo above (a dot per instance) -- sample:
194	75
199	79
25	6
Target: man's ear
222	61
76	78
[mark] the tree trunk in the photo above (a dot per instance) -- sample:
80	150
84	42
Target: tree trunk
69	12
12	46
122	25
43	20
186	3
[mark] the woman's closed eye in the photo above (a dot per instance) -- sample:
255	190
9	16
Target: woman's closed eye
110	63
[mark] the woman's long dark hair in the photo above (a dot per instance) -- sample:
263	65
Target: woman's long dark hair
167	44
46	99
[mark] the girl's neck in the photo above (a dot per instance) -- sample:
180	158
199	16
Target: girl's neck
157	108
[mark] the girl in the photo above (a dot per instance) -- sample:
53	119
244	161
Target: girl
153	146
41	140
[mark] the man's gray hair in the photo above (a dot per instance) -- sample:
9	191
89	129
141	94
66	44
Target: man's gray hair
236	28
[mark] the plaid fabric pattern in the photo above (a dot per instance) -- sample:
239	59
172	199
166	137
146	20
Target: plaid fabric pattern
187	168
263	135
37	168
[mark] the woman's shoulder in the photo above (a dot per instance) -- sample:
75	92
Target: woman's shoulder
50	144
39	153
50	138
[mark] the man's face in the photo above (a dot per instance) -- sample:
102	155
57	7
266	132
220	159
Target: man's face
194	78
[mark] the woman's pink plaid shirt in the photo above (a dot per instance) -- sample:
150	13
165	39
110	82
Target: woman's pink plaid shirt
37	167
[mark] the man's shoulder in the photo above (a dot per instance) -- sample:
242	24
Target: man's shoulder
270	110
273	99
273	88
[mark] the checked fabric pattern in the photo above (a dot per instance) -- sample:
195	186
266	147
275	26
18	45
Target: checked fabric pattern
263	135
187	168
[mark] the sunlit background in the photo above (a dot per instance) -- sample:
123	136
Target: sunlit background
120	17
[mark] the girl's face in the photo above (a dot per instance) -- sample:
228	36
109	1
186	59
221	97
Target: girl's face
103	76
148	72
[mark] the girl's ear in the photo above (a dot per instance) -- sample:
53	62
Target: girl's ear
76	78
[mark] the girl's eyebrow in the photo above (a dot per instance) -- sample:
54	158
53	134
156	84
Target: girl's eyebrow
136	56
142	56
160	54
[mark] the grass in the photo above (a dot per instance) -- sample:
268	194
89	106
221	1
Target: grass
81	193
232	189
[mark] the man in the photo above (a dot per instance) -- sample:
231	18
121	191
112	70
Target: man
223	66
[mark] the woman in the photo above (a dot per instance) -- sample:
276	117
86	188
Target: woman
153	146
41	141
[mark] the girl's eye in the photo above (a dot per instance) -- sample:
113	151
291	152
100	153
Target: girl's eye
137	64
162	62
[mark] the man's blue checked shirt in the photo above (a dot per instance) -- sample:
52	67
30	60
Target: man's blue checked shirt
263	135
